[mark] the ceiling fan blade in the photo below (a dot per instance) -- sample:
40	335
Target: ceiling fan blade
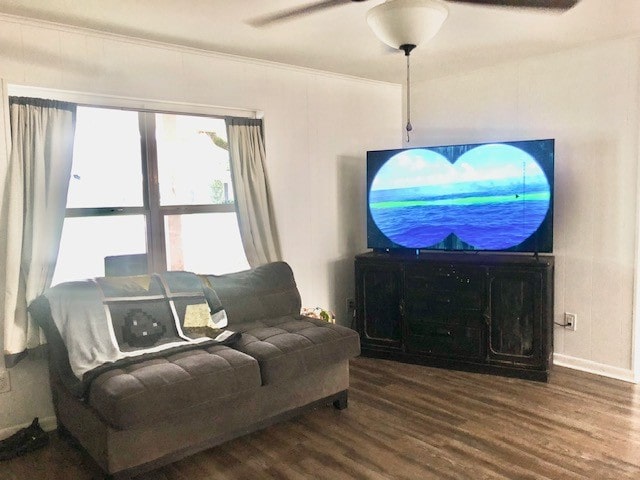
290	13
542	4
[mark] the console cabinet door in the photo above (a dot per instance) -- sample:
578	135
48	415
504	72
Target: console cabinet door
379	309
515	317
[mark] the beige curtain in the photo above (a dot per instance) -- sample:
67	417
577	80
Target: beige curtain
32	212
252	197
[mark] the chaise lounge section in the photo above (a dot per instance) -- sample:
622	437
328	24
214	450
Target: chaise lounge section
164	406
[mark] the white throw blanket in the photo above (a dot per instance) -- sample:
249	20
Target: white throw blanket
109	319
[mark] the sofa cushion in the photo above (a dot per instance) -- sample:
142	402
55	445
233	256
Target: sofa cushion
266	291
290	346
154	389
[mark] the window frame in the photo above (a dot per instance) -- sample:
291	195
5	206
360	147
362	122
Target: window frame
152	209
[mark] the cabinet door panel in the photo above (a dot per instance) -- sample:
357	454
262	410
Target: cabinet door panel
381	312
514	328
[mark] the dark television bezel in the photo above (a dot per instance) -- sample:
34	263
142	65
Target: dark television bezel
533	244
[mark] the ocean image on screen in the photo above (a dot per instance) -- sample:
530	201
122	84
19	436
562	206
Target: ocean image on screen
493	197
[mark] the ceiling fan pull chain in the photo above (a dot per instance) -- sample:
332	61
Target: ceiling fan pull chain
408	127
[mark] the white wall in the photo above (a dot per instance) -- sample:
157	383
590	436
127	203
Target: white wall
318	127
588	100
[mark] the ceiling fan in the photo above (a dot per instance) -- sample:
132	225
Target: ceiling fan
404	24
317	6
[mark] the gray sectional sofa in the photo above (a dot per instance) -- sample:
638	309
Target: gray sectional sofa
135	416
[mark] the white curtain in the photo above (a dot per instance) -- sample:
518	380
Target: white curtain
252	197
32	212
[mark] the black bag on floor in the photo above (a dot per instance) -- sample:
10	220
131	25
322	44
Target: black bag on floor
23	441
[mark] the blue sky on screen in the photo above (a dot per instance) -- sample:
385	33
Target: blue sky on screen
497	163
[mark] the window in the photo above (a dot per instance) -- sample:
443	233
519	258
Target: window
149	183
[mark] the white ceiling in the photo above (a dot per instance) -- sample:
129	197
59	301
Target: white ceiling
339	40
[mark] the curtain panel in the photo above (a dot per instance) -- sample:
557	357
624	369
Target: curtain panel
32	212
252	197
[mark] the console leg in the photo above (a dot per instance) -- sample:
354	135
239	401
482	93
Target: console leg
342	401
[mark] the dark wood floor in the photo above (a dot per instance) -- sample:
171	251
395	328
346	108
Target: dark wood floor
413	422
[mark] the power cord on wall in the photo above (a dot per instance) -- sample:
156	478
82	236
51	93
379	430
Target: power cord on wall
570	320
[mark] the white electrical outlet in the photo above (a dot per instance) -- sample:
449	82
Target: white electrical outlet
5	381
570	320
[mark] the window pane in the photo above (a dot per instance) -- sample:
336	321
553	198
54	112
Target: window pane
107	165
86	241
204	243
193	162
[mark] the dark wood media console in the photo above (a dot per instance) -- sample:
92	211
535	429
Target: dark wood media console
472	311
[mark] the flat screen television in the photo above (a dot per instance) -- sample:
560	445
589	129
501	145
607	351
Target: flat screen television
487	197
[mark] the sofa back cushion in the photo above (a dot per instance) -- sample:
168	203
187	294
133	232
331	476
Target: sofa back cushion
266	291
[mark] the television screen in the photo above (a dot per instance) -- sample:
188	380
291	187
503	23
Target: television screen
490	196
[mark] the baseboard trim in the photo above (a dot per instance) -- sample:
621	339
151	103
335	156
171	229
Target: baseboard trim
47	423
594	367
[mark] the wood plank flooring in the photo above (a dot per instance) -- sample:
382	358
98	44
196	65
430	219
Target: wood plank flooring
413	422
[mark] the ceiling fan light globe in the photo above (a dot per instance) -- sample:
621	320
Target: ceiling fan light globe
402	22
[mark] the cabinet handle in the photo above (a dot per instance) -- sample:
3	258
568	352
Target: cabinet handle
443	332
